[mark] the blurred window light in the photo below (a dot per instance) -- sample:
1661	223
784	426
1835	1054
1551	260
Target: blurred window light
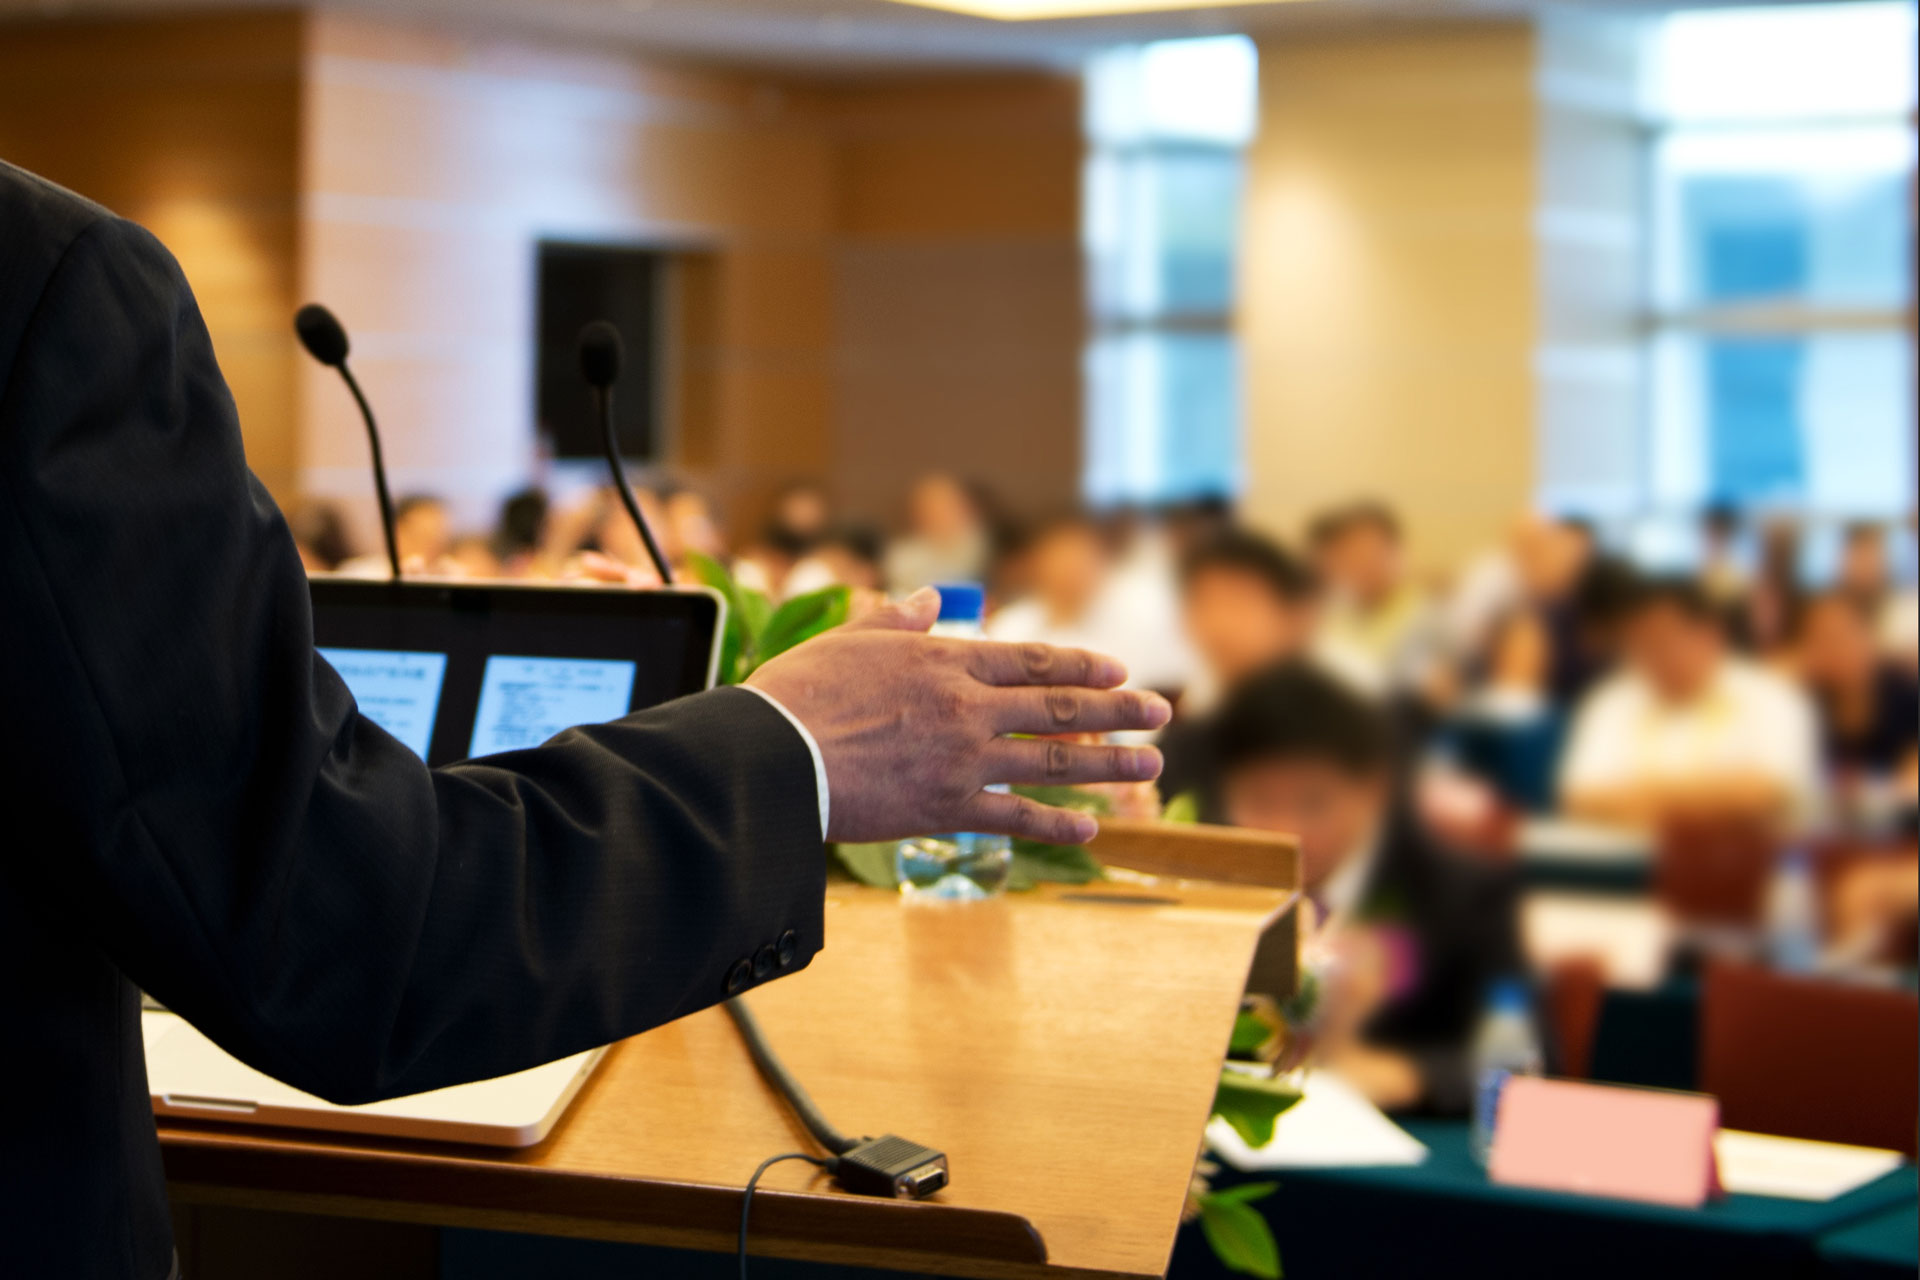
1786	62
1781	268
1167	124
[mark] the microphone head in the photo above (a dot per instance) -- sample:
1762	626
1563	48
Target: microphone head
600	354
321	334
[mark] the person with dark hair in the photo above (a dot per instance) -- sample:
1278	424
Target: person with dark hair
1246	602
1687	729
1374	611
1720	572
521	530
1869	708
320	535
845	555
1418	933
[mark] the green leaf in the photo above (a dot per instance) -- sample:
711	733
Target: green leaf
735	640
1245	1193
1075	798
1251	1033
755	612
1251	1104
801	619
1184	807
1035	863
870	864
1239	1236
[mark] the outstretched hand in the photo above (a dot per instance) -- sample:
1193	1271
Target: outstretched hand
913	727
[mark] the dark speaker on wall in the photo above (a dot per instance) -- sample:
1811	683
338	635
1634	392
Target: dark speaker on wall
581	283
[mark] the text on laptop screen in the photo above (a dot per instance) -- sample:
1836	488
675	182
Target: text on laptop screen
524	701
397	690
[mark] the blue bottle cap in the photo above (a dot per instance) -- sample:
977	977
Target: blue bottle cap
1509	995
961	601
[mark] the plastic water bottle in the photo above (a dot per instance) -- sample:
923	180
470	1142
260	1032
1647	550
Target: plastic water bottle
1793	916
1506	1046
956	865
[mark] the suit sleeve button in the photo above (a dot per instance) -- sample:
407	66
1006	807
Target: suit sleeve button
789	949
739	976
764	962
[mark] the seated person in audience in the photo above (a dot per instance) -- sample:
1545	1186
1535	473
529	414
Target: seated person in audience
848	556
1373	610
1418	932
948	538
1721	574
1064	569
423	535
520	533
1246	603
1869	707
801	515
320	535
1685	729
471	556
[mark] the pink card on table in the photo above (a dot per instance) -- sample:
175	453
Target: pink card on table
1599	1140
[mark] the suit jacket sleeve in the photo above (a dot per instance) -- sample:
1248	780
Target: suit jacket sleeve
201	796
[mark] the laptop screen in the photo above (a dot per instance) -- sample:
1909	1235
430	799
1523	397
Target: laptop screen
456	670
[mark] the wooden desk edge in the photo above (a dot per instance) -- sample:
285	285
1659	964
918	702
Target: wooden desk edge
207	1167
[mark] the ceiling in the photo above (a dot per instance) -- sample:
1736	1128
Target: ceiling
874	35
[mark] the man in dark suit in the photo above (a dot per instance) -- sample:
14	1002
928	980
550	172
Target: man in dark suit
1416	933
194	805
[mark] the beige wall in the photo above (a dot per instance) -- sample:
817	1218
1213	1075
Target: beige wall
189	127
1388	297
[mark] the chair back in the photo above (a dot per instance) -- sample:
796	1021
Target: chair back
1811	1059
1715	871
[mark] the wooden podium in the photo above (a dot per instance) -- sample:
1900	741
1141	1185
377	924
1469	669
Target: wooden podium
1061	1046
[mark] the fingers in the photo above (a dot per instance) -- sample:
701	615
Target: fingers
1010	664
916	613
1065	710
1041	760
1003	814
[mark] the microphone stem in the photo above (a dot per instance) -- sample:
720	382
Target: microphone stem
605	396
379	469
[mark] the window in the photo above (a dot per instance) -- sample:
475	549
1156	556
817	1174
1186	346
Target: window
1167	124
1780	359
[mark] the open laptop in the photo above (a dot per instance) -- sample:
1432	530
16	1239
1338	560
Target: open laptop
456	670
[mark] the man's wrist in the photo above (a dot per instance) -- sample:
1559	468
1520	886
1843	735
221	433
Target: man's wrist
813	750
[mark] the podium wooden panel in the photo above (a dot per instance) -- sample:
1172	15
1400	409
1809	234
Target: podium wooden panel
1061	1046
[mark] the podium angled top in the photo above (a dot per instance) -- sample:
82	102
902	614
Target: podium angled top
1062	1047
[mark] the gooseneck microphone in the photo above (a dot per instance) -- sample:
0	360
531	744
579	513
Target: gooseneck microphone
326	341
600	351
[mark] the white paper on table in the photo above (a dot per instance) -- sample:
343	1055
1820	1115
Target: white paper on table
1630	937
1759	1164
1332	1126
1572	840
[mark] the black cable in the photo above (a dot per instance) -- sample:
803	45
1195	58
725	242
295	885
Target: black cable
379	468
782	1080
746	1201
626	489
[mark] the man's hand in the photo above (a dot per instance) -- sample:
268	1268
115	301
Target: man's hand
911	726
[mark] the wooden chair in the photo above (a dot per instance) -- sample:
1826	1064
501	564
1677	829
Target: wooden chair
1811	1059
1224	855
1715	872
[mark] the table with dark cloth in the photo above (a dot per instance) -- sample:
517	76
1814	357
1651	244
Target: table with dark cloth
1444	1218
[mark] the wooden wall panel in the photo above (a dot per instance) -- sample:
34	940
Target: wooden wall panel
959	302
1388	295
188	126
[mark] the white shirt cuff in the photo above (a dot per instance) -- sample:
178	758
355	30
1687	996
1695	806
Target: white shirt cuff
813	749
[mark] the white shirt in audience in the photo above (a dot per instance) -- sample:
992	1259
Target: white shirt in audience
1749	720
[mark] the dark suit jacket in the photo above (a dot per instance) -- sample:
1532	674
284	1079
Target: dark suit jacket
1456	921
192	804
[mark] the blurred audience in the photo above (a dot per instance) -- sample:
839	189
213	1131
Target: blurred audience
1418	934
947	539
1686	729
1061	575
1869	707
1246	603
1373	610
320	535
